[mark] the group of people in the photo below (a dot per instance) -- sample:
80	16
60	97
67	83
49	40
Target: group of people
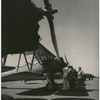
70	75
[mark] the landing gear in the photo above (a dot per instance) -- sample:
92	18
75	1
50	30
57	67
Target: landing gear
49	86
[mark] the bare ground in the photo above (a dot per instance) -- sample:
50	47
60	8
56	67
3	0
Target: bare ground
35	90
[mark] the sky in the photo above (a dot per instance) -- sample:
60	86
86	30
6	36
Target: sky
77	32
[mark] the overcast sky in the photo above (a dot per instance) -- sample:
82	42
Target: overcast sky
77	31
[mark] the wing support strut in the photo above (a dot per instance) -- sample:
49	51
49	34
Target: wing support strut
26	61
32	59
4	60
38	60
18	62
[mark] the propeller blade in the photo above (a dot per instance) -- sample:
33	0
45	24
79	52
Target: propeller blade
66	58
50	17
54	40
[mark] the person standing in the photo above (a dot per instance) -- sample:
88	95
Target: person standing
65	78
80	77
72	79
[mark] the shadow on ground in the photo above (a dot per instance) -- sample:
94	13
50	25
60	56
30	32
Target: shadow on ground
57	99
38	92
72	99
29	99
44	92
75	92
8	97
91	90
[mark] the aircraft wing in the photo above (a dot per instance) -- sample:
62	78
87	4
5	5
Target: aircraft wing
57	76
6	68
23	76
42	53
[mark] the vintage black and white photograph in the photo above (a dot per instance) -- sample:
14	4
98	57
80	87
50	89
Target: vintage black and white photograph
49	49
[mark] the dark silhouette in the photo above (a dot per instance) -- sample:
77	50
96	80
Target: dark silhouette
72	79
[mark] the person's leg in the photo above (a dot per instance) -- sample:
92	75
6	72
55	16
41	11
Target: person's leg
71	84
74	83
80	83
67	82
64	83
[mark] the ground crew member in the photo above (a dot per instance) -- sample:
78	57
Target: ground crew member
80	77
65	78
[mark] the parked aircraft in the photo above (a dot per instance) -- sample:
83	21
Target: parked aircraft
18	38
89	76
45	62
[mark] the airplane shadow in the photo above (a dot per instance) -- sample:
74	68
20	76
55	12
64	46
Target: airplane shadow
72	99
29	99
91	90
44	92
75	92
38	92
56	99
82	92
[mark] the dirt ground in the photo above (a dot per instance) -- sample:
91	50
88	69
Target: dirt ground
36	90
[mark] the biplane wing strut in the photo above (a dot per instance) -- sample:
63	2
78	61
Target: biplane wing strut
49	15
29	68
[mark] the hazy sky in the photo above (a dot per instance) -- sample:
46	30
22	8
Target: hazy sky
77	32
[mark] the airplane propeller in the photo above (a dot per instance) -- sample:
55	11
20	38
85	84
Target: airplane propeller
49	15
66	59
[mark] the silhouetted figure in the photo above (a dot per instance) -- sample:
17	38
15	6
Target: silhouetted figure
80	77
72	79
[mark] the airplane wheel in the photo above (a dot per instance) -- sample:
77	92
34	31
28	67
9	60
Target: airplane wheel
49	86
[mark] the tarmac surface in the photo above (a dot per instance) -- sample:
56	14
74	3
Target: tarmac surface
36	90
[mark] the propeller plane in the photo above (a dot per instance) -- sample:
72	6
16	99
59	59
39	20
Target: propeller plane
18	38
